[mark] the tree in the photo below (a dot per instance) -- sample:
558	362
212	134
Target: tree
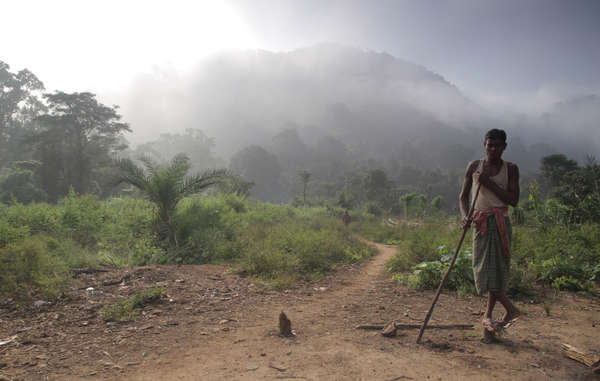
290	149
574	188
305	178
257	165
19	182
236	185
76	142
166	185
377	186
194	143
555	167
407	199
437	204
19	105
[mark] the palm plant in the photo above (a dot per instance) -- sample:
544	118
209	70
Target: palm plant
167	184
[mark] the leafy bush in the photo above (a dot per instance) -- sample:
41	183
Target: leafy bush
278	243
420	243
10	233
428	275
373	208
82	217
560	256
32	265
565	257
36	217
521	282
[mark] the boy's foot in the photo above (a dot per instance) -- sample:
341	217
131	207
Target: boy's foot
489	325
510	318
488	337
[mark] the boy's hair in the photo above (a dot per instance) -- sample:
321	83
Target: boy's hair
496	134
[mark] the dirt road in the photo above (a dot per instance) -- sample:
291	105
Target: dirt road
217	326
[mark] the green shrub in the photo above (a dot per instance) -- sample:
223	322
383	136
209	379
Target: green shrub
37	217
374	209
428	275
82	217
420	243
31	266
296	249
127	237
521	283
572	252
10	234
128	309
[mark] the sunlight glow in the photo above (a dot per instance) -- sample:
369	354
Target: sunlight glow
103	44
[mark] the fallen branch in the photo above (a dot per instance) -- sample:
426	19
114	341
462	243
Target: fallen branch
87	270
584	358
278	367
415	326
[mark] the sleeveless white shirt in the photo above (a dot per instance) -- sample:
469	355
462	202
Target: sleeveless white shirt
487	199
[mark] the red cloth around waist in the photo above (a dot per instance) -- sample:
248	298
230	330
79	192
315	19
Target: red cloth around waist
480	219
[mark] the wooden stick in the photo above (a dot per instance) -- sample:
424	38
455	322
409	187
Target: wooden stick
439	290
415	326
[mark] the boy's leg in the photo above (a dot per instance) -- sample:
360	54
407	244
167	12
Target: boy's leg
491	303
488	323
512	312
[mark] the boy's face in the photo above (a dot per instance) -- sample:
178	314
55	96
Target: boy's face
494	148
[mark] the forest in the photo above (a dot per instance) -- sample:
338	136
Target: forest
75	194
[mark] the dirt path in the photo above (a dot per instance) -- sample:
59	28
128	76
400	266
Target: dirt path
217	326
328	347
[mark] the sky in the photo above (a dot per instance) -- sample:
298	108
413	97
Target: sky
520	54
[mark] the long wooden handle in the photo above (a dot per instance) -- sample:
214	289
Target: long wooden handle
439	290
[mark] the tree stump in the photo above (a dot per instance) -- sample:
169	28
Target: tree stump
285	326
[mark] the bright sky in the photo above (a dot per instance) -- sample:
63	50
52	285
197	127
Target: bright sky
75	45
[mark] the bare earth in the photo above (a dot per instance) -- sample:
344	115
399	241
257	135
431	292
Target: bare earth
217	326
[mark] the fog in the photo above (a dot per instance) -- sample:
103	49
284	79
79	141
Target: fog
371	101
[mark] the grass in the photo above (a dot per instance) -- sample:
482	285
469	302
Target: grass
128	309
562	257
278	244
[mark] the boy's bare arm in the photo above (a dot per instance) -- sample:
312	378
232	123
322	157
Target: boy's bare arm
466	188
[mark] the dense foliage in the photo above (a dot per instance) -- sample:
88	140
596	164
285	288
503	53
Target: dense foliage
40	242
558	256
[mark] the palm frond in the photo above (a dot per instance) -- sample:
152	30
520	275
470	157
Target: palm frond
198	182
150	164
131	173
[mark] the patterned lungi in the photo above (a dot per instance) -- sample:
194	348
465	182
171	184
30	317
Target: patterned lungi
490	265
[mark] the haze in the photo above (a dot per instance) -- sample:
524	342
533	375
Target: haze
528	66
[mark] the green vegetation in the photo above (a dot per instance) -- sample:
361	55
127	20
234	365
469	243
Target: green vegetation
165	186
40	243
556	235
564	257
127	309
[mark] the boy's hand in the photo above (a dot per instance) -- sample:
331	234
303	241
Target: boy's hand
484	175
466	222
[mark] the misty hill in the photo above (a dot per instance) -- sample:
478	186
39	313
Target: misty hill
372	102
338	104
